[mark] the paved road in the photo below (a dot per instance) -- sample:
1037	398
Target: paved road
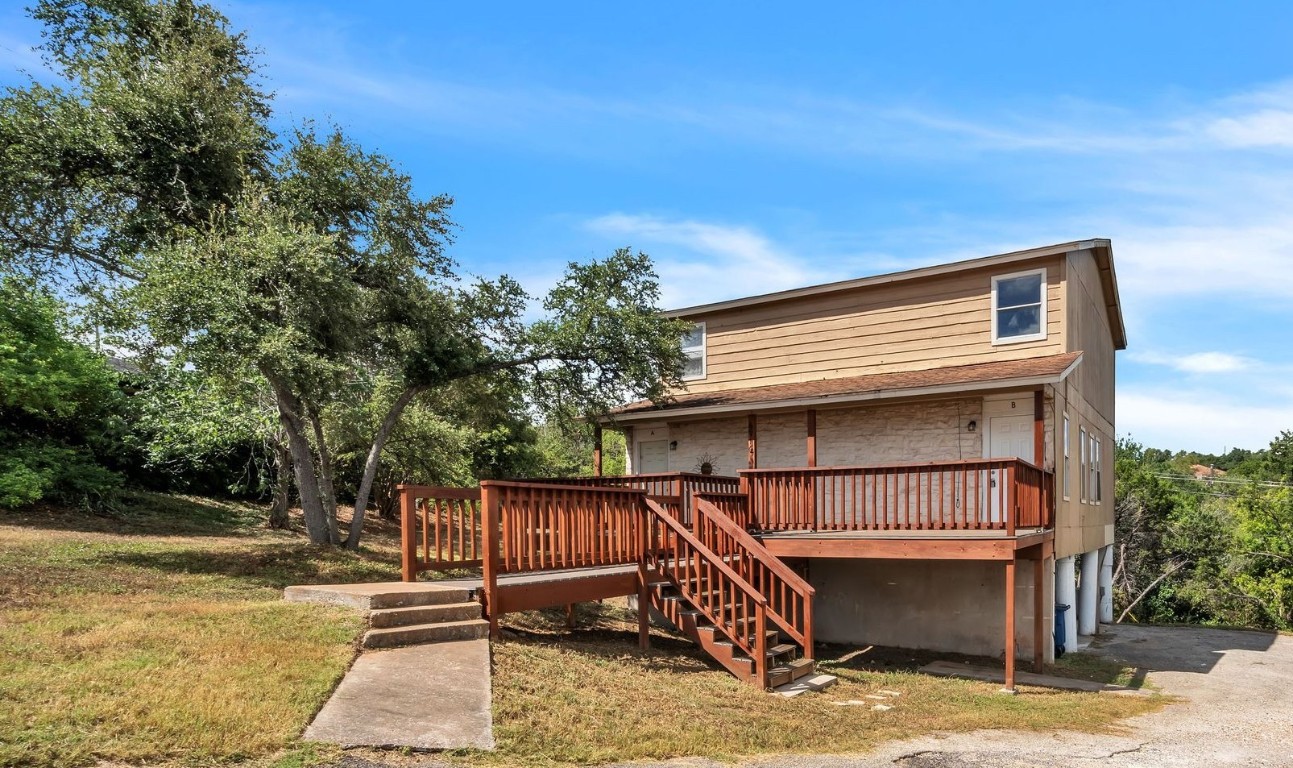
1238	711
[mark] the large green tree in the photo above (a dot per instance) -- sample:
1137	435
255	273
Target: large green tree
152	174
59	406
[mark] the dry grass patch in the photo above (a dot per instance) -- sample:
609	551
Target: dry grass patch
590	696
170	642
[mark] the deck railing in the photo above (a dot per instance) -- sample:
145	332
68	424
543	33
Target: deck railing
979	494
554	527
440	529
710	584
671	487
789	596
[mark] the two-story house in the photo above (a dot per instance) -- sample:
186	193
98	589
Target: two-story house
925	384
917	459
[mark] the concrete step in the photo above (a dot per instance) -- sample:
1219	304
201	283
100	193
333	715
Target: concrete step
806	685
368	597
415	634
384	618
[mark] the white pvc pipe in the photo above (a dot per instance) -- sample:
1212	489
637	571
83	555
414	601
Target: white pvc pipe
1088	593
1066	594
1106	584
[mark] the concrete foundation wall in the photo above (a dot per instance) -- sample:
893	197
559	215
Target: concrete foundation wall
954	606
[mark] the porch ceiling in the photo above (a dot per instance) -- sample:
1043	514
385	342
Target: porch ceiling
949	380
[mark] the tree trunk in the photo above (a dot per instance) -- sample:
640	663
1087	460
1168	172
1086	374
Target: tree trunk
327	492
307	483
278	517
374	458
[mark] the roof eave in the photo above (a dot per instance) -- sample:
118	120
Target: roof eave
1023	382
892	277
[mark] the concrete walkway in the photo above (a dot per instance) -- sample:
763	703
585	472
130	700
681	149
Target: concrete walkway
434	696
430	696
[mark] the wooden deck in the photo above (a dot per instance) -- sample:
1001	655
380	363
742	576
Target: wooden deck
715	545
911	545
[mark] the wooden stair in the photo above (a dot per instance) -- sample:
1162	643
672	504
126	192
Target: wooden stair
787	668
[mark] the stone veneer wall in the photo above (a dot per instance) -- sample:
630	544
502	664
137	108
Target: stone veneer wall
882	434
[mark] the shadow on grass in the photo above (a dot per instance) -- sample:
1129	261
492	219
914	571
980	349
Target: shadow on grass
276	565
142	513
607	630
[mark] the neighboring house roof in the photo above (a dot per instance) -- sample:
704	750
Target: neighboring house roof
1202	473
1032	371
1100	248
122	365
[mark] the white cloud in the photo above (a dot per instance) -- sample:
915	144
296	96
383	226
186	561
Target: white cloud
1198	362
1204	421
1264	128
700	262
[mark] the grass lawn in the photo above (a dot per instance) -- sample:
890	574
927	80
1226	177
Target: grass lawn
591	696
158	635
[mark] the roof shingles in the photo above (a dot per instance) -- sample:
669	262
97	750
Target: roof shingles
868	384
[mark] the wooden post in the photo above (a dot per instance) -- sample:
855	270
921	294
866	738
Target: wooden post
1039	613
570	615
1010	625
752	443
408	534
1039	429
597	451
489	558
812	437
644	597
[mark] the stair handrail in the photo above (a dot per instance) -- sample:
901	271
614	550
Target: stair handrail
774	578
728	619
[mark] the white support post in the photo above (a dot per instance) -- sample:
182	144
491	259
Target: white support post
1088	591
1066	594
1106	584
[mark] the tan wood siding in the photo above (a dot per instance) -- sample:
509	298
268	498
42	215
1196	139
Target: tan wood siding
1089	332
905	326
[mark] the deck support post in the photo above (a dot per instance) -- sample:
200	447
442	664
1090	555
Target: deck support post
408	535
811	429
1106	584
489	558
1039	614
570	615
597	451
645	543
1010	626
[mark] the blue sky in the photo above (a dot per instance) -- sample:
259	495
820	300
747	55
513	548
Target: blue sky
748	148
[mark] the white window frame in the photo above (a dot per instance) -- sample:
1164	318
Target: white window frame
704	363
1040	335
1068	468
1082	466
1094	469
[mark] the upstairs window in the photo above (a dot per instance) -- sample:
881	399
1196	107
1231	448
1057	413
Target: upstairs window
1019	307
693	349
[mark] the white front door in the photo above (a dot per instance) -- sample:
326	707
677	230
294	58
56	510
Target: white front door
653	456
1008	437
